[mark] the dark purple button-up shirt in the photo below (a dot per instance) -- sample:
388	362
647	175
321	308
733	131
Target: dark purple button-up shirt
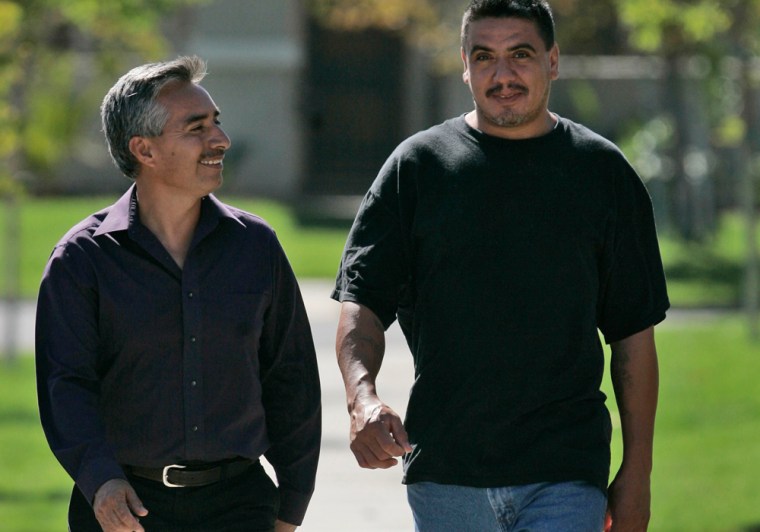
143	363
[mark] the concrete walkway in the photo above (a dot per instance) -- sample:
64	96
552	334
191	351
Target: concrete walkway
347	497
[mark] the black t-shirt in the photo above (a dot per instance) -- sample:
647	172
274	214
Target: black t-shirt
502	259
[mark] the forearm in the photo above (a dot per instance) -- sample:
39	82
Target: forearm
282	526
68	386
74	430
635	379
291	395
360	347
295	460
377	432
291	399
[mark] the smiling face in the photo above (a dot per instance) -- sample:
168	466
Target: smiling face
509	72
188	154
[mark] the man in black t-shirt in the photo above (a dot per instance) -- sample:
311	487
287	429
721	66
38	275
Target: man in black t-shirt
503	241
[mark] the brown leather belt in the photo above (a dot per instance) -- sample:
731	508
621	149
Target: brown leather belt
191	476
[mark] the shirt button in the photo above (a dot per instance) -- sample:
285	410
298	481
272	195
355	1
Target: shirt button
190	295
192	339
195	428
194	384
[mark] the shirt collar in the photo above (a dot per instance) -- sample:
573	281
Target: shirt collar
120	214
123	213
213	207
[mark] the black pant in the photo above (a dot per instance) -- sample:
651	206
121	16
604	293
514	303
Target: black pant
247	502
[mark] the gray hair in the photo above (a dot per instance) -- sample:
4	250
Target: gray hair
130	108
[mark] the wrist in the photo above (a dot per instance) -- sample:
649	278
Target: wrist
361	396
636	466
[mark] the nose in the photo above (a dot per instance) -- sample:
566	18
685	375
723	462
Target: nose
220	140
503	70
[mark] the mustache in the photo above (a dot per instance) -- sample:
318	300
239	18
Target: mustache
214	153
510	86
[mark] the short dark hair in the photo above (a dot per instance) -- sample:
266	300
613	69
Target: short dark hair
537	11
131	109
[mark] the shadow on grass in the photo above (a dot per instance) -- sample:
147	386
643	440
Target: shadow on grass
699	267
28	497
707	268
19	417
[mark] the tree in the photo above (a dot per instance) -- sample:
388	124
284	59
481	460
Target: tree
720	30
583	26
55	56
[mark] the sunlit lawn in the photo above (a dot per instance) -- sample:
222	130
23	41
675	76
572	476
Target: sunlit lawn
33	489
707	457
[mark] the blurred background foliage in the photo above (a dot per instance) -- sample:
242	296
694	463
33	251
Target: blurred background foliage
55	58
58	57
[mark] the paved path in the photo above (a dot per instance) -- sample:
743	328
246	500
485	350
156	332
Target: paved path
347	498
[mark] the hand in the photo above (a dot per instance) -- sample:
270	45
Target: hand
628	506
377	434
282	526
117	507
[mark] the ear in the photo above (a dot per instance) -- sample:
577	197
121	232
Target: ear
466	73
142	150
554	62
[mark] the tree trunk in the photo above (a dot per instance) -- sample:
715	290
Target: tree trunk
680	192
12	273
749	195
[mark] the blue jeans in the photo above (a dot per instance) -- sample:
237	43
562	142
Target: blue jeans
545	507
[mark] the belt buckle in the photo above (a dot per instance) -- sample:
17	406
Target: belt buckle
165	476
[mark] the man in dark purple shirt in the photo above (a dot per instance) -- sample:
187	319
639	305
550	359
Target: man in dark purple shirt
173	347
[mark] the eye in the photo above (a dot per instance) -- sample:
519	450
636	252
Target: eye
482	57
521	54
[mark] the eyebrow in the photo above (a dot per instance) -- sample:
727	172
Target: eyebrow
199	117
520	46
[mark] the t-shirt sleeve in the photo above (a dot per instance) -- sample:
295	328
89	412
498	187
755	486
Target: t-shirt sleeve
374	269
633	294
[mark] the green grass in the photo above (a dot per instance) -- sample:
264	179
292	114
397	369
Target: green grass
709	429
706	453
707	457
34	490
